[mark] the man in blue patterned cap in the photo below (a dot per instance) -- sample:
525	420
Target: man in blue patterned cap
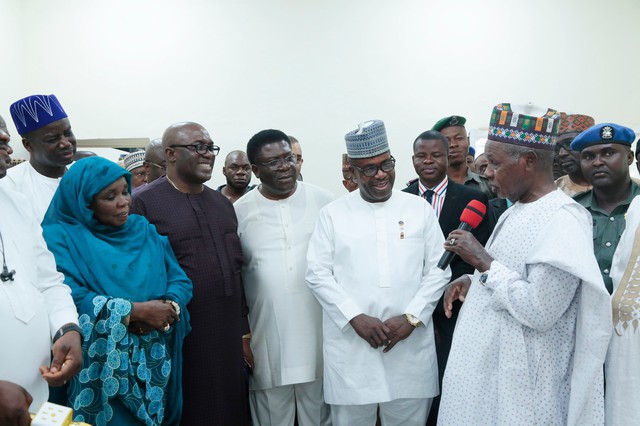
533	331
452	127
605	157
46	134
372	266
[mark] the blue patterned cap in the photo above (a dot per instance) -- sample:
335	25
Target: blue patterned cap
603	133
369	140
36	111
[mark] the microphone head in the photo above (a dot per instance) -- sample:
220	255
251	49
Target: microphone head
473	213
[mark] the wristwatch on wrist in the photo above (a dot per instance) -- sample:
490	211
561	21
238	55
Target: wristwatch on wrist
414	321
65	329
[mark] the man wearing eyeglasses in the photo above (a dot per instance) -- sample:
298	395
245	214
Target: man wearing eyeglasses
237	172
47	135
202	228
275	222
372	266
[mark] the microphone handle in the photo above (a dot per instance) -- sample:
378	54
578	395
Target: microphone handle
447	256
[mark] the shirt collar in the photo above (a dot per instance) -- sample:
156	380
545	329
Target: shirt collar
438	189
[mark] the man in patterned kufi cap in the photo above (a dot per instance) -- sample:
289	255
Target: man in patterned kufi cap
372	266
46	134
533	331
573	182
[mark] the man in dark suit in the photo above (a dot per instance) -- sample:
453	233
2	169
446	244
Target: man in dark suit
430	160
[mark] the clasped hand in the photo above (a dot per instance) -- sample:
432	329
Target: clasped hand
151	315
378	333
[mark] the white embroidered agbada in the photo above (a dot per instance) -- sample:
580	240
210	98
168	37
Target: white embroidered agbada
529	345
34	305
378	259
37	188
622	367
285	317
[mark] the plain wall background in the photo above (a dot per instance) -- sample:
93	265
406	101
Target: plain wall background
314	69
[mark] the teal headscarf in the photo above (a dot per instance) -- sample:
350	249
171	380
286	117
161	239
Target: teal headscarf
107	269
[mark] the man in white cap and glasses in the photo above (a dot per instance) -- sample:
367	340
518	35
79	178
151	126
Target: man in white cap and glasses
372	266
47	135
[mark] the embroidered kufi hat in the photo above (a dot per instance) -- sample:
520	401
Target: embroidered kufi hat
369	140
603	133
511	127
450	121
574	123
36	111
134	160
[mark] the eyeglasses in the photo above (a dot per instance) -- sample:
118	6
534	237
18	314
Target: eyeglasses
371	171
200	148
276	164
161	167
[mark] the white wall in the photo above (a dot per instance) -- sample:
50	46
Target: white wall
314	69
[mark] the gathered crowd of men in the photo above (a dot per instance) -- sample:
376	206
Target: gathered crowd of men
315	310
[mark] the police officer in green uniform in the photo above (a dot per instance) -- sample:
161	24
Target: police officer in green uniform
605	157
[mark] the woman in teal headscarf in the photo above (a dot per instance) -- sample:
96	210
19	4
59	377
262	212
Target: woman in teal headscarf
131	296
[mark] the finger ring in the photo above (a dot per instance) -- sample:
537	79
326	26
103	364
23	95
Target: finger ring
167	327
388	342
452	241
140	330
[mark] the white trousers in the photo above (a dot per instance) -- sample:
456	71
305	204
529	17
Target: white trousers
397	412
277	406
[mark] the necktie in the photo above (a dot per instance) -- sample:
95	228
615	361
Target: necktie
428	195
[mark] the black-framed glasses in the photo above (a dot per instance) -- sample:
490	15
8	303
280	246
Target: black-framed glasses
276	164
160	166
371	171
200	148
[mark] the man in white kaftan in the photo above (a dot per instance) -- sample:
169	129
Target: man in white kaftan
35	307
275	223
372	266
622	370
38	189
47	135
532	334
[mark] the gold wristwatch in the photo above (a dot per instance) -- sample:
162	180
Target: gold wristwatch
414	321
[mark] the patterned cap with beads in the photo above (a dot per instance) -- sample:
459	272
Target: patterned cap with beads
369	140
519	129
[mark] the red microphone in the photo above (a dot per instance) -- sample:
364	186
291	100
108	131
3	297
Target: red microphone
469	219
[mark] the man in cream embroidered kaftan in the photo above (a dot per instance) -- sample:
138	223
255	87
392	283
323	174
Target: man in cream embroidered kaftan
528	346
622	367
